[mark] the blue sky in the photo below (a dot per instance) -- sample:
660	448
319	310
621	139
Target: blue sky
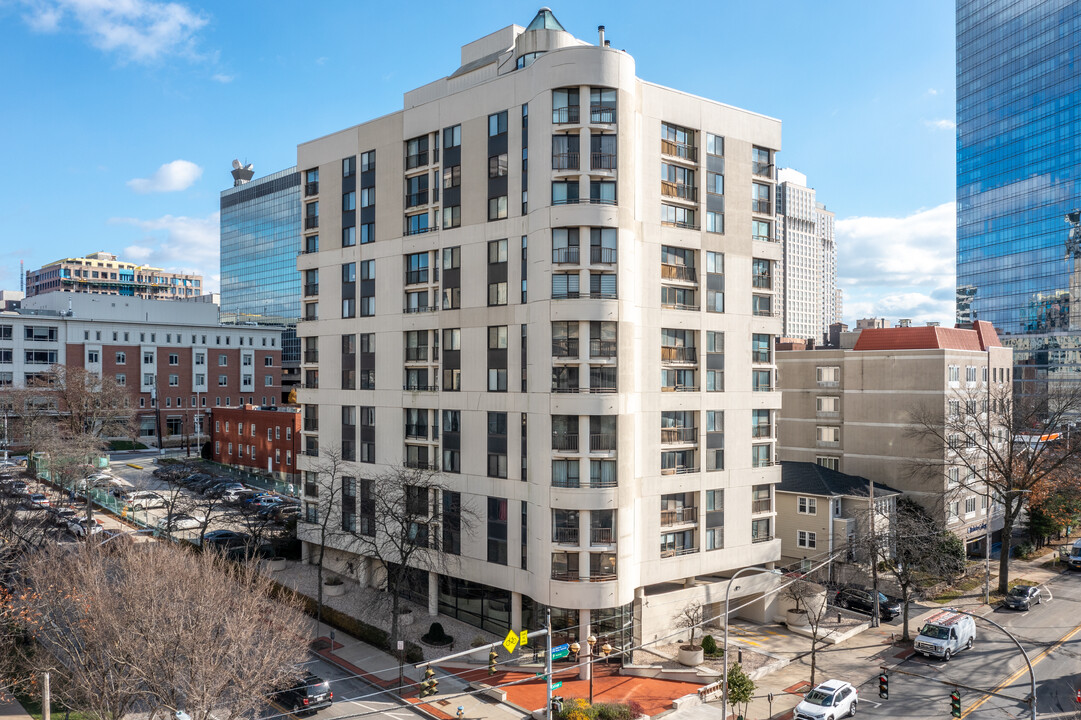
121	117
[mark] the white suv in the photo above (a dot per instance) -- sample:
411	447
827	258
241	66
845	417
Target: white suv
831	700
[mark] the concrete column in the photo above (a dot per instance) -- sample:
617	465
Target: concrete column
516	612
585	630
433	594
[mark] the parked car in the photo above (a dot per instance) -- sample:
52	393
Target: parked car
18	488
217	491
1023	597
945	634
861	600
179	521
192	479
100	480
233	496
143	499
830	700
283	511
37	501
61	515
225	538
310	694
255	497
78	527
266	501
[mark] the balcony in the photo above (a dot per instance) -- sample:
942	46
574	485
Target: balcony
762	169
601	389
565	348
565	161
421	464
603	255
679	516
679	190
602	576
679	435
419	230
602	348
566	295
311	356
602	161
311	188
602	536
762	282
565	115
311	222
679	355
681	306
685	224
566	576
764	238
311	424
419	309
416	354
415	161
408	387
762	431
311	289
676	552
416	277
565	255
761	506
679	150
417	198
602	295
602	115
762	538
571	483
602	442
679	273
565	536
681	470
416	431
565	443
565	387
762	207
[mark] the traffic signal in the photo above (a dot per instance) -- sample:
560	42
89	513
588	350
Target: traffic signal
955	703
429	686
884	686
491	662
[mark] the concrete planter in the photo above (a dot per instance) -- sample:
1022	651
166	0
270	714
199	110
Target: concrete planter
795	618
405	618
480	654
691	656
334	590
275	564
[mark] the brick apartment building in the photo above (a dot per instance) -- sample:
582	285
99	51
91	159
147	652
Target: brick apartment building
257	438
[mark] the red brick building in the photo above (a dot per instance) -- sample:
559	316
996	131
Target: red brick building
257	438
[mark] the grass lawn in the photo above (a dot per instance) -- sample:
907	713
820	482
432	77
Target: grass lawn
33	706
965	586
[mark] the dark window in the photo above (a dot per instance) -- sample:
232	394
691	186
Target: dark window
497	530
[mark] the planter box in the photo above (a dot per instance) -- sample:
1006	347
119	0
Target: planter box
795	618
333	590
691	657
405	619
275	564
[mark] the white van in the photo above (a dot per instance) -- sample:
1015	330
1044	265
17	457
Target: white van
1074	558
945	634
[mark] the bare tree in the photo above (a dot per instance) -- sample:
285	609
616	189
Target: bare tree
690	618
1003	445
810	599
321	491
204	636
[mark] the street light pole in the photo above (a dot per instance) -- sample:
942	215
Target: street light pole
1031	674
727	598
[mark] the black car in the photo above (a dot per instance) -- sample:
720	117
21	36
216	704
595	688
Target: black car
1023	597
310	694
862	601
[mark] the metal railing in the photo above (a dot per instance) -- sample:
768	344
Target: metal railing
763	207
601	201
602	161
565	536
679	190
762	431
686	224
417	198
416	431
416	354
680	150
565	161
600	389
602	536
681	306
565	347
762	538
761	310
311	188
679	516
602	577
564	442
416	160
673	435
598	483
602	442
602	348
682	354
420	309
603	255
676	552
571	483
761	506
679	388
562	388
421	230
420	388
681	470
566	576
311	356
311	289
602	114
567	201
762	169
566	295
764	238
565	115
762	282
413	277
565	255
311	221
682	273
602	295
421	465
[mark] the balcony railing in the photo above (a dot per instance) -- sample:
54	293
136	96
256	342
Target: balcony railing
602	577
565	536
417	198
311	188
762	282
602	442
413	277
761	506
564	442
566	295
762	538
764	238
565	255
601	389
603	255
676	552
763	207
680	388
602	114
760	310
566	576
679	190
565	115
681	470
600	483
569	482
762	169
681	306
311	289
679	435
311	425
680	150
682	273
565	161
417	160
602	348
565	347
602	161
419	309
311	356
420	388
602	201
421	464
761	431
565	387
416	354
416	431
671	354
685	224
679	516
310	222
602	295
602	536
421	230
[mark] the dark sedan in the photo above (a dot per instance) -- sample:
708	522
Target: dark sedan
862	601
1023	597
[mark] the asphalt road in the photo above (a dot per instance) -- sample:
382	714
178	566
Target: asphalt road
351	698
1050	634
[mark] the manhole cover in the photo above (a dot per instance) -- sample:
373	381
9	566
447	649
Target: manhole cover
798	688
442	702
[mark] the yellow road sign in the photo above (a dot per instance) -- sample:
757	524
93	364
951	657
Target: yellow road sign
524	639
511	641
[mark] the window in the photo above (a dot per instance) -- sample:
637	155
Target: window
200	358
367	233
970	506
452	216
807	505
970	374
452	522
714	145
174	381
349	236
94	356
828	376
349	166
714	440
761	348
223	380
827	405
714	282
367	161
564	192
497	165
122	358
806	539
497	444
349	201
565	285
452	137
714	361
497	530
497	208
760	230
497	125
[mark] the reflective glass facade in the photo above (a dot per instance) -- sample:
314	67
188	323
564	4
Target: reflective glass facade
1019	171
260	239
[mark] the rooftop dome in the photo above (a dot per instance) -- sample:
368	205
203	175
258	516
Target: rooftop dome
545	20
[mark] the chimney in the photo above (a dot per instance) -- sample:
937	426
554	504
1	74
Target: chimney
600	32
904	322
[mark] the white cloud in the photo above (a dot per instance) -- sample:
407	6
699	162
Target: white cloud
222	78
940	124
136	30
899	267
932	91
170	177
181	244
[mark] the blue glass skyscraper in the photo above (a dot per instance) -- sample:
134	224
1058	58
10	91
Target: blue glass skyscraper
260	239
1019	175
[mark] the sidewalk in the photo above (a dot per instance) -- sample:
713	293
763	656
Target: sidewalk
10	709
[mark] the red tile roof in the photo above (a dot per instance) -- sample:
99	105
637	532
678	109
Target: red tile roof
929	337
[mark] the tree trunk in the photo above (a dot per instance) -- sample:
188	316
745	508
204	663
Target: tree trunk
393	588
904	613
1004	556
814	642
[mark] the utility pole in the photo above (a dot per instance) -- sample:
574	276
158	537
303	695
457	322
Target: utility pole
46	698
548	661
874	558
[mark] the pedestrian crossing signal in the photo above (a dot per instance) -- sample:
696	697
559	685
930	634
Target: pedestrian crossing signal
884	686
955	703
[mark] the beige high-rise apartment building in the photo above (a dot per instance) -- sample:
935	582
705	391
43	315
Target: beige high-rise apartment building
854	409
101	273
547	279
